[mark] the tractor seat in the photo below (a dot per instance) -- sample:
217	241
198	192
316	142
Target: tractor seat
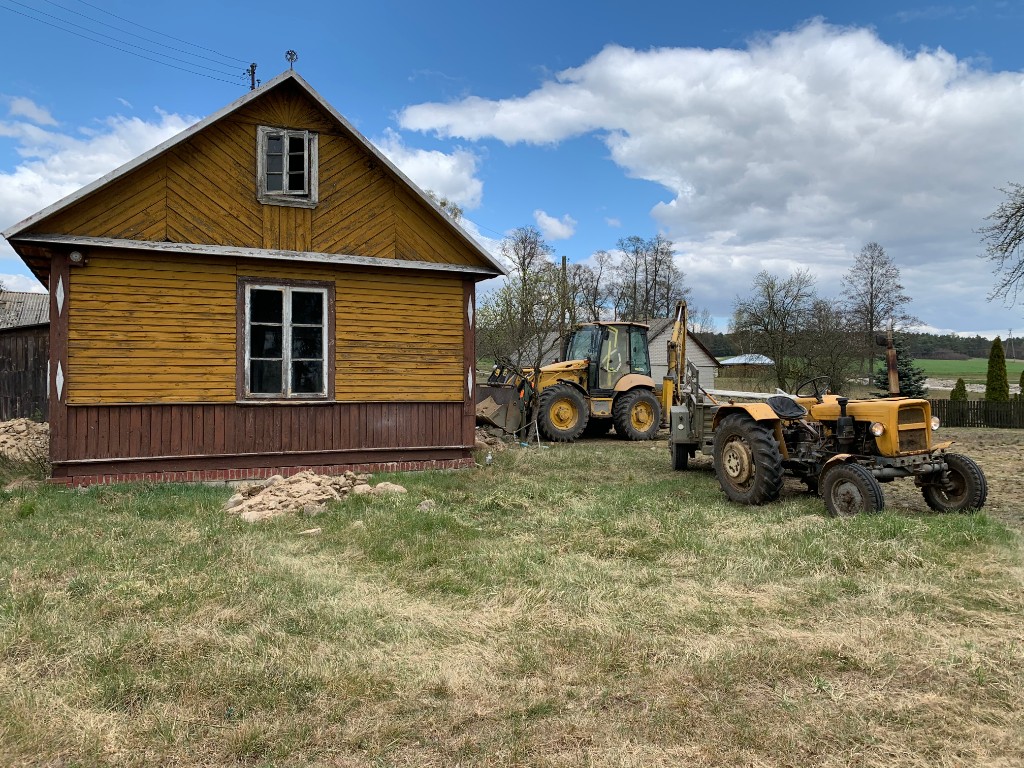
786	407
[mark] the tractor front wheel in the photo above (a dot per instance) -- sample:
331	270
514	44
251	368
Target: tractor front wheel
563	413
849	489
637	415
747	460
963	488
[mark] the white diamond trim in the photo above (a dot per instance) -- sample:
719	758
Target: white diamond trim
60	294
60	381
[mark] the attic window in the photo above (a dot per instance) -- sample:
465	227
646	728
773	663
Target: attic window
287	166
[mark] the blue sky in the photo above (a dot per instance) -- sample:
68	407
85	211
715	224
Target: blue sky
755	135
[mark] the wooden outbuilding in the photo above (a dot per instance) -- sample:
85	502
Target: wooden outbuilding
24	352
263	293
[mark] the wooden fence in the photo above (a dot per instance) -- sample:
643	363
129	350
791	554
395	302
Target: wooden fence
979	413
23	356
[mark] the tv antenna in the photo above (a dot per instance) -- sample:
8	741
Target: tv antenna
291	57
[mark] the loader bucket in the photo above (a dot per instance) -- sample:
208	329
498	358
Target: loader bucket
501	406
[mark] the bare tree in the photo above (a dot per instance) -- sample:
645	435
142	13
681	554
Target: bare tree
453	209
1003	238
824	347
647	282
594	292
515	321
771	321
701	320
873	296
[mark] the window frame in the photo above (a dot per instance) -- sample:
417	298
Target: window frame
307	198
243	358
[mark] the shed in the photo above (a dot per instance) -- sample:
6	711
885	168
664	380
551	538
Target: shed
24	351
746	365
263	293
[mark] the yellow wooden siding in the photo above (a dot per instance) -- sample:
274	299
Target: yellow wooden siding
150	328
203	190
133	209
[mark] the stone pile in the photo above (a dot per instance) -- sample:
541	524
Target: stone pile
24	440
486	441
305	493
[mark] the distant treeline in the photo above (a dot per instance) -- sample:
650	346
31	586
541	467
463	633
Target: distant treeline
921	345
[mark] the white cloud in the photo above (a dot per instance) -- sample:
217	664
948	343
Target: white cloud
22	107
613	222
452	176
805	143
22	283
555	229
55	164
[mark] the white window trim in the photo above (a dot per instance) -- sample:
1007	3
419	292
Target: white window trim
286	343
306	199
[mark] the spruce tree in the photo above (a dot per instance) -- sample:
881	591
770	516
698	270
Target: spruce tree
912	378
997	387
959	391
1020	395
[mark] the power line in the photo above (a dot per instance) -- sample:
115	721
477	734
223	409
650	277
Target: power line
118	40
123	50
158	32
146	39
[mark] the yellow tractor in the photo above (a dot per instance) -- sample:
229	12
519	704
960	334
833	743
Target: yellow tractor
840	448
604	380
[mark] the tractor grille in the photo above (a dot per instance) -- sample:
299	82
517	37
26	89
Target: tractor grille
913	429
913	440
914	415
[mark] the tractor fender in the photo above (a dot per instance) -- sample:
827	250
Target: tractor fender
756	411
632	381
572	383
839	458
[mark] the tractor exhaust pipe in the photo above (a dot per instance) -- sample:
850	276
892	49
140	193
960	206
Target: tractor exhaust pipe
890	360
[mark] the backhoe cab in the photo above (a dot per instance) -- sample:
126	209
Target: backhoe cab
603	380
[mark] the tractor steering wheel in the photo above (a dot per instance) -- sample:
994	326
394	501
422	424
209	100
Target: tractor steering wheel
818	386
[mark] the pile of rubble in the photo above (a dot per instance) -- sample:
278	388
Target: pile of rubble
490	441
305	493
24	440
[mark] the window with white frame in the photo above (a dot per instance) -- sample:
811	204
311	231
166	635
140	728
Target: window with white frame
287	163
286	341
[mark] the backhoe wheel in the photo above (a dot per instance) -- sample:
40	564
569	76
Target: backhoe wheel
747	460
563	413
965	487
637	415
680	457
849	489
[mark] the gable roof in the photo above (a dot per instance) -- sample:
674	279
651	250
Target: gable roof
663	325
12	233
748	359
18	309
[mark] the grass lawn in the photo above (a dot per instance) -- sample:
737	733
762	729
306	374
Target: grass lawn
973	371
567	606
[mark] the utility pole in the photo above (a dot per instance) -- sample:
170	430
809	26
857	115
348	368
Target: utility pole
252	76
1009	339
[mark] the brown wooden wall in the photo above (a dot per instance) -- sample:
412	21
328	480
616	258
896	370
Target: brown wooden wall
287	434
204	191
147	328
23	356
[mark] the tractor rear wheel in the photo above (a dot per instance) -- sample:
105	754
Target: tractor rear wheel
965	489
637	415
849	489
747	460
680	457
563	413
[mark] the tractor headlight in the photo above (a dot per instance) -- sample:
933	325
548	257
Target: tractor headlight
877	428
935	423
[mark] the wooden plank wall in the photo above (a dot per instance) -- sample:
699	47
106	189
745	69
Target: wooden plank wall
24	353
182	431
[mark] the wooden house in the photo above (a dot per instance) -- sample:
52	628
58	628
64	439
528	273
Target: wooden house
263	293
24	351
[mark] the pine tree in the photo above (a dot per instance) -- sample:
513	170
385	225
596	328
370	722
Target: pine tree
912	378
997	387
1020	395
959	391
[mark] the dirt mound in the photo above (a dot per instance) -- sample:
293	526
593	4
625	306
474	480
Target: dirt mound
489	441
24	440
304	493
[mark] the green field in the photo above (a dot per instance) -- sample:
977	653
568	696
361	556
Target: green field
973	371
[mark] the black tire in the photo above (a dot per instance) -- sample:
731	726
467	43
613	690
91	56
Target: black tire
849	489
563	413
637	415
969	487
597	427
680	457
748	464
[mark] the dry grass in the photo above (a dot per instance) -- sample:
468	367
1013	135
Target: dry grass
568	606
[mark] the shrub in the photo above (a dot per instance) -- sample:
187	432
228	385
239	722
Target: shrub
959	391
997	387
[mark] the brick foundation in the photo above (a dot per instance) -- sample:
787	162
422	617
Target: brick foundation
256	473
